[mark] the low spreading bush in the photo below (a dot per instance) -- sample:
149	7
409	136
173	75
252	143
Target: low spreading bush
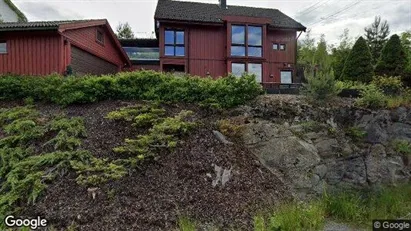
389	84
372	97
143	85
321	88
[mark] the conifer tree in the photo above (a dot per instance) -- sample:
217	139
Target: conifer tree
358	65
393	58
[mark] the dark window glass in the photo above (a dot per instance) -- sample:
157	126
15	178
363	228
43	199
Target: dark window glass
179	51
100	36
257	70
255	51
255	36
275	46
174	43
142	53
254	41
238	51
169	37
3	47
237	69
282	47
180	37
238	35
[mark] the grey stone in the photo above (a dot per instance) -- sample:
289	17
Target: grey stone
399	115
327	147
400	131
221	138
375	134
321	170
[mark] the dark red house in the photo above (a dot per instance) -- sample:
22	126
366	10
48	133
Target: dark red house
41	48
216	39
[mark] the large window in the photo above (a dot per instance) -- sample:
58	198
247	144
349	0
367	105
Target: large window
286	77
3	47
238	69
246	41
174	43
143	53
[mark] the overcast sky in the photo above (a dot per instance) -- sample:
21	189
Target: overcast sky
328	17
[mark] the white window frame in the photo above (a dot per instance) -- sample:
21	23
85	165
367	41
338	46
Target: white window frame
291	76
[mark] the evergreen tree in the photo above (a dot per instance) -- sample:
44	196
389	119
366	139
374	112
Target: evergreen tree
358	65
321	58
376	36
406	43
341	53
393	59
124	31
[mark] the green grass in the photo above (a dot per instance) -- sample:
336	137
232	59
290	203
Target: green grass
186	224
351	207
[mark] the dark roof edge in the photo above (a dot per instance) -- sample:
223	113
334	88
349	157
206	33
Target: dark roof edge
30	29
20	15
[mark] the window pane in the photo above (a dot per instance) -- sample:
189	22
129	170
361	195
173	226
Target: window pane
282	47
180	51
142	53
255	51
238	34
169	51
275	46
255	35
286	77
169	37
237	51
180	37
257	70
3	48
237	69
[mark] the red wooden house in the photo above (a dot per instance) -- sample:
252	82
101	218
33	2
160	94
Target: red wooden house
216	39
41	48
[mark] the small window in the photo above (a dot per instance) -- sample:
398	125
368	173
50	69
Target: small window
3	47
143	53
174	43
286	77
237	69
282	47
100	36
275	46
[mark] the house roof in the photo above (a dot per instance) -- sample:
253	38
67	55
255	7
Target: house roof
42	25
213	13
20	15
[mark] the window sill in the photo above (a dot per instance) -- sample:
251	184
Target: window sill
246	58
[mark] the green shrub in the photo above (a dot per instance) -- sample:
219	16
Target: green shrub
230	128
321	88
402	146
141	115
389	84
143	85
357	134
372	97
393	60
353	85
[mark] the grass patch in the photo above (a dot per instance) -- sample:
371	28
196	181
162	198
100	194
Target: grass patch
186	224
357	134
230	127
402	146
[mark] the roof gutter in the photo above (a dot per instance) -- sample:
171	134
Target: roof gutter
28	29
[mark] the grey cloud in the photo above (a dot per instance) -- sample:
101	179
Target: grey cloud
45	11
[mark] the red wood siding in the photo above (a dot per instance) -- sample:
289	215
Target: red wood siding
85	38
207	47
32	53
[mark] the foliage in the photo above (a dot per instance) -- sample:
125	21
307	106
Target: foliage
185	224
141	115
69	132
97	171
372	97
358	65
143	85
356	133
393	58
402	146
124	31
230	128
163	134
389	84
290	217
321	88
321	57
406	43
351	85
340	54
376	36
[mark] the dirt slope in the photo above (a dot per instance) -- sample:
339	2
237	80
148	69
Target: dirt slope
178	184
